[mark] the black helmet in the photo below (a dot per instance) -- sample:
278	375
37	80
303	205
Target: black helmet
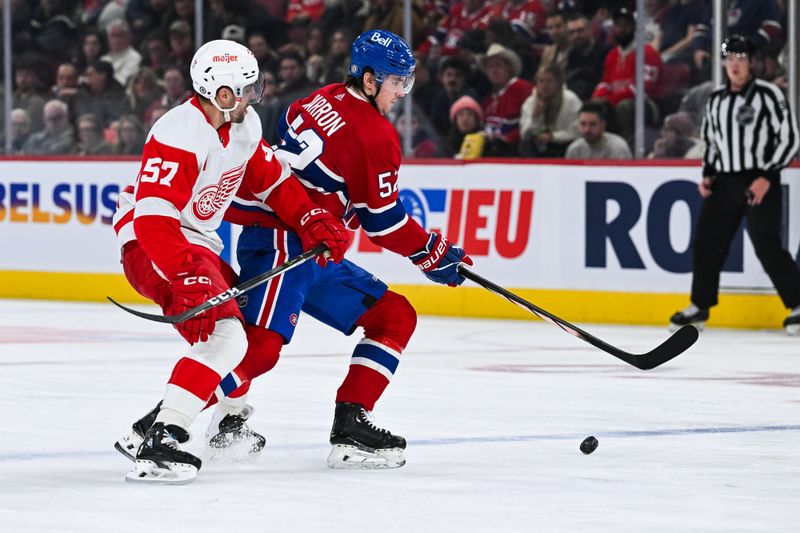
738	44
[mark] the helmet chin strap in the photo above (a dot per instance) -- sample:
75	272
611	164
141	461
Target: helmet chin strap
226	113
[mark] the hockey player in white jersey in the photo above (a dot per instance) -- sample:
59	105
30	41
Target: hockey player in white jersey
195	158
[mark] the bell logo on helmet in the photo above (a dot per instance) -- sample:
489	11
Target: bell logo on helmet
227	58
376	38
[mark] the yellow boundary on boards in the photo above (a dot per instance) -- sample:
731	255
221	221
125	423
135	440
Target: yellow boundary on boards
734	310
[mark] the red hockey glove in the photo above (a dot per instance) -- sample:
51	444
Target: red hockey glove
439	260
189	290
318	226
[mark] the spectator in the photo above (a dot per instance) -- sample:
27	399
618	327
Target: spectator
595	141
549	119
527	17
90	136
585	57
338	57
423	144
53	30
181	43
556	53
314	51
471	47
349	14
157	112
21	127
102	95
66	86
501	32
425	85
181	11
463	17
176	90
758	20
145	17
619	76
294	85
694	101
28	90
452	79
57	136
678	139
130	136
122	56
388	15
92	47
144	93
156	53
466	137
268	59
678	23
502	107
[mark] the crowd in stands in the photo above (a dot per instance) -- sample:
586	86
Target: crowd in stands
499	78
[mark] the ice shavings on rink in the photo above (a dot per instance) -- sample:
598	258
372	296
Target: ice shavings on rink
707	442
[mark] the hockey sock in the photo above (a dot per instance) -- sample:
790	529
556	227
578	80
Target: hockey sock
196	376
171	416
388	326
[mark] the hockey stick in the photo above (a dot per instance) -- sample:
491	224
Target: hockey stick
675	345
223	297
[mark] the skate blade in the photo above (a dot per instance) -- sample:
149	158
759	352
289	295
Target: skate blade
353	458
793	330
149	472
701	326
128	445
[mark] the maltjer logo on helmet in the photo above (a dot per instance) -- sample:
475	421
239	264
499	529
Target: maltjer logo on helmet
376	37
227	58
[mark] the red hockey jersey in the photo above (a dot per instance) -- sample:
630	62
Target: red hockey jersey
347	156
619	75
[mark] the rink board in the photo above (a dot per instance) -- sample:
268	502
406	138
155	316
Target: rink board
592	243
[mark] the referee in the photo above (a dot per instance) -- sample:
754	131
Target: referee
750	135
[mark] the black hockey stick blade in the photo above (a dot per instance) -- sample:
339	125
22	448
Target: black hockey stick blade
675	345
223	297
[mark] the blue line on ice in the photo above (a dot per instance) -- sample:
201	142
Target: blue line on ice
35	456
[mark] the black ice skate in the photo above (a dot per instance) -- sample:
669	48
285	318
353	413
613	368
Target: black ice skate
691	315
358	443
232	431
128	444
160	460
792	322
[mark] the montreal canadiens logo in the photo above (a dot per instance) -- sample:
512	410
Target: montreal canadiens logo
293	319
214	198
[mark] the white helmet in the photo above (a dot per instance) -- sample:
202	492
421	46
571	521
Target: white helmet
223	63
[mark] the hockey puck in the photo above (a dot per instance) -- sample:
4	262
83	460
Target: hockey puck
589	445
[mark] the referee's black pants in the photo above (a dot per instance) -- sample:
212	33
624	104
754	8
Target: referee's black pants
720	217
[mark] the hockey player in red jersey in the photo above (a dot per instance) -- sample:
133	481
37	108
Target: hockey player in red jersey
195	158
347	154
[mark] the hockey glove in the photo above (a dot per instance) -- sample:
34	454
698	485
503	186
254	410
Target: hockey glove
439	259
189	290
318	226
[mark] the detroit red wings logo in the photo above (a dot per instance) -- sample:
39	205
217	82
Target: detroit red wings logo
212	198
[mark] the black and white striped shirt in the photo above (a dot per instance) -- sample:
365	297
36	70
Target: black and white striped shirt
752	130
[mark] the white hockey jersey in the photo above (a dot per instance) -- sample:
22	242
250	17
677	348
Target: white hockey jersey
187	179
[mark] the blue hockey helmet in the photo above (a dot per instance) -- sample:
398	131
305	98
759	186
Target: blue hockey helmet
386	54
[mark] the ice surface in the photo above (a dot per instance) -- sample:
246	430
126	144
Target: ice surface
494	412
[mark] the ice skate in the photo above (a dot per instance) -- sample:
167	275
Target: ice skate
359	444
228	431
691	315
160	460
129	444
792	322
